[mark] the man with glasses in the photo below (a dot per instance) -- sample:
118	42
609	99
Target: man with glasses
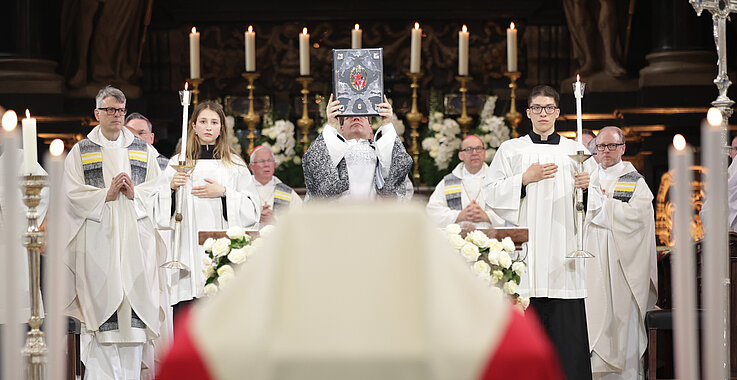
622	276
458	197
141	127
531	183
276	196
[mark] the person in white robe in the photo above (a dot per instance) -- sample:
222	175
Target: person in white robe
276	197
114	251
458	197
354	164
218	193
622	276
531	183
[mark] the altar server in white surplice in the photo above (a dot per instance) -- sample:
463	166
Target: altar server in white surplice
218	193
622	276
114	251
459	198
531	183
276	197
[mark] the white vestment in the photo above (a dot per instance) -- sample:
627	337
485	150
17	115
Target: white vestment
206	214
266	195
471	189
547	209
622	276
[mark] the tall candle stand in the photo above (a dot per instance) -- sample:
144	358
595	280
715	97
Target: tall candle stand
195	82
304	123
35	348
178	217
414	117
251	118
513	117
464	120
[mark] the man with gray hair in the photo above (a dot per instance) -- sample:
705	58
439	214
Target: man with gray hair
114	250
622	276
276	196
141	127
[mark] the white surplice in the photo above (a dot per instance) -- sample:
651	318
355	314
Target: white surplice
547	209
622	276
471	184
206	214
266	194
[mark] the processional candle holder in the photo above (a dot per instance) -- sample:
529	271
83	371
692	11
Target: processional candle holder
304	123
195	82
251	118
513	117
414	117
464	120
579	158
35	349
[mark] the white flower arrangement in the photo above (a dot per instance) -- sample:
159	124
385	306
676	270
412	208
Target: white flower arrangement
495	262
279	137
492	129
223	257
443	139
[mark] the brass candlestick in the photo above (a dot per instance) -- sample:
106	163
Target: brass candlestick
251	118
195	82
177	249
513	117
414	117
464	120
304	123
35	349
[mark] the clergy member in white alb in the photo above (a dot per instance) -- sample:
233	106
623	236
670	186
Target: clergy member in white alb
458	197
276	197
531	183
114	251
622	276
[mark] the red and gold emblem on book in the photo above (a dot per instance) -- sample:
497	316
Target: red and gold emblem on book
358	77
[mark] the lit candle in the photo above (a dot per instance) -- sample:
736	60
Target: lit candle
30	156
185	97
463	51
194	54
416	47
685	341
716	250
250	38
578	89
55	322
304	53
356	35
11	264
511	48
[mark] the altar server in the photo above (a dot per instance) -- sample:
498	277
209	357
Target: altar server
622	276
275	196
530	183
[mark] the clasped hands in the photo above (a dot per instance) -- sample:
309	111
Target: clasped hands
211	190
473	213
121	183
538	172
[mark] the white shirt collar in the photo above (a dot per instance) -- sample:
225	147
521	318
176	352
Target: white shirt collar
117	143
270	183
468	175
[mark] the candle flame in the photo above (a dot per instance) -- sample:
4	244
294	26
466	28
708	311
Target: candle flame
714	117
250	28
679	142
511	25
10	120
417	25
578	78
56	148
356	27
186	84
464	29
28	114
194	30
304	30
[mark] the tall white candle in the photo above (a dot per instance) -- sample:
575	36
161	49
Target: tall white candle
716	251
680	159
415	49
578	89
194	54
304	53
185	98
250	38
30	156
511	48
463	51
54	281
356	36
11	253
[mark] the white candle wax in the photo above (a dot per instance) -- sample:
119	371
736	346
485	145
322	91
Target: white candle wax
194	54
304	53
463	35
356	36
250	38
30	156
511	48
685	340
716	251
185	120
415	49
578	94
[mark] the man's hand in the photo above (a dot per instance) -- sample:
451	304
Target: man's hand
127	187
582	180
180	178
114	189
267	215
473	213
385	111
538	172
211	190
333	111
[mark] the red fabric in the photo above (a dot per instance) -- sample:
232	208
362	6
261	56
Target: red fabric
183	361
525	353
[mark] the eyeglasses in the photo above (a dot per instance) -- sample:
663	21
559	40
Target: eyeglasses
611	147
470	149
262	162
548	109
111	111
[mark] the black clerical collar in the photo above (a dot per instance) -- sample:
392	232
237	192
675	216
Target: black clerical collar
206	152
553	138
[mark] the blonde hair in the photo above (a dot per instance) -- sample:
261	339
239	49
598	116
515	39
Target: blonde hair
223	151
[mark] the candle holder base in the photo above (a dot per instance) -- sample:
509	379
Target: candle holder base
579	254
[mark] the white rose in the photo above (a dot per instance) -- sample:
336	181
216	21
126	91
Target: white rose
510	287
453	229
470	252
495	245
207	245
482	268
275	149
504	260
206	261
236	232
519	267
297	160
496	276
208	271
225	269
477	237
221	247
237	256
456	241
524	301
494	256
211	289
226	278
508	244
